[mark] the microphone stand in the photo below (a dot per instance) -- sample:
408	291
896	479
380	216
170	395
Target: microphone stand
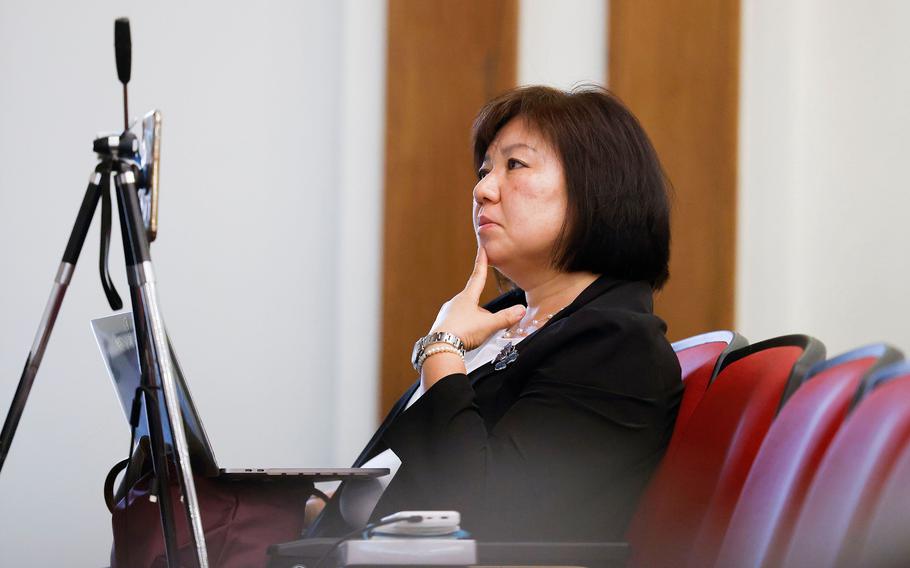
116	163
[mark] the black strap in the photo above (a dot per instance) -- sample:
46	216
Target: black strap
109	483
109	497
319	495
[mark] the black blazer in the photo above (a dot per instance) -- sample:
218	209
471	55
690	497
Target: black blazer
558	445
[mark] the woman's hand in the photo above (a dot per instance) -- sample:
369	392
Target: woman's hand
463	316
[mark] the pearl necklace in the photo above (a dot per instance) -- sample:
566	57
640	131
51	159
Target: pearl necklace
534	326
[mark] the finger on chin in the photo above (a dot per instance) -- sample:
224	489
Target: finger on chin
480	261
478	277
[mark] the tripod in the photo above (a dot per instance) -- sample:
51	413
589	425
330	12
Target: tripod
117	164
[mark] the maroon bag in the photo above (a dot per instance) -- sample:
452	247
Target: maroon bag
240	520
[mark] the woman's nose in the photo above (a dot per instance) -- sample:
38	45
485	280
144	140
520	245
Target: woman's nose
487	189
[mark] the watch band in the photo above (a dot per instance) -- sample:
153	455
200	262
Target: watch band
435	337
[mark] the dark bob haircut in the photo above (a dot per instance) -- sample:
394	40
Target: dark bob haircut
618	217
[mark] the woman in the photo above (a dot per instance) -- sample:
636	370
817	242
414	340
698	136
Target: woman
542	415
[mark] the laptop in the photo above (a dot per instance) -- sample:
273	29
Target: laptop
117	342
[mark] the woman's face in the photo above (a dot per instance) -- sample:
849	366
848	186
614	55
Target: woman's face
520	199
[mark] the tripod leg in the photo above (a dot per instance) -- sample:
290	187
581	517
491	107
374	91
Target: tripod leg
155	357
58	291
157	441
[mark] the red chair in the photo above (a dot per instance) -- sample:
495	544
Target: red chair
834	522
886	544
771	498
698	356
695	489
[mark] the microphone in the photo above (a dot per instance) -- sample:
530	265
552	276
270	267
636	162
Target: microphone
123	49
123	53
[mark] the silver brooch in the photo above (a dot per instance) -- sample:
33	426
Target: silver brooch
506	357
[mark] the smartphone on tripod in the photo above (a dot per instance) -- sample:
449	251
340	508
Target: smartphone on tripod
149	165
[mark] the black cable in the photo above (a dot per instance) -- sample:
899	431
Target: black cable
365	530
134	425
317	493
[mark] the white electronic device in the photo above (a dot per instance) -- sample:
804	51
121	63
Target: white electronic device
430	523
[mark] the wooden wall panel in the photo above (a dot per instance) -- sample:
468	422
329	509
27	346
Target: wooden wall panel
445	59
675	63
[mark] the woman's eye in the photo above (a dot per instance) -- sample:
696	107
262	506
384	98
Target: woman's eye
481	173
513	163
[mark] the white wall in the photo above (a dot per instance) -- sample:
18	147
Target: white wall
359	247
563	43
822	243
268	250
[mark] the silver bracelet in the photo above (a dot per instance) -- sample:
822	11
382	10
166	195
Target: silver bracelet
436	350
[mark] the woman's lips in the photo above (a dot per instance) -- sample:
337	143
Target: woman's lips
484	222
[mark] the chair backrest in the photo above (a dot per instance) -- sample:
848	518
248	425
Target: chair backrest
695	488
698	357
835	517
772	495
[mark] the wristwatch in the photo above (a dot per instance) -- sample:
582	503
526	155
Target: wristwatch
435	337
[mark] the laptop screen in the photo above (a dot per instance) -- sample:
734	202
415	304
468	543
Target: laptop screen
117	342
